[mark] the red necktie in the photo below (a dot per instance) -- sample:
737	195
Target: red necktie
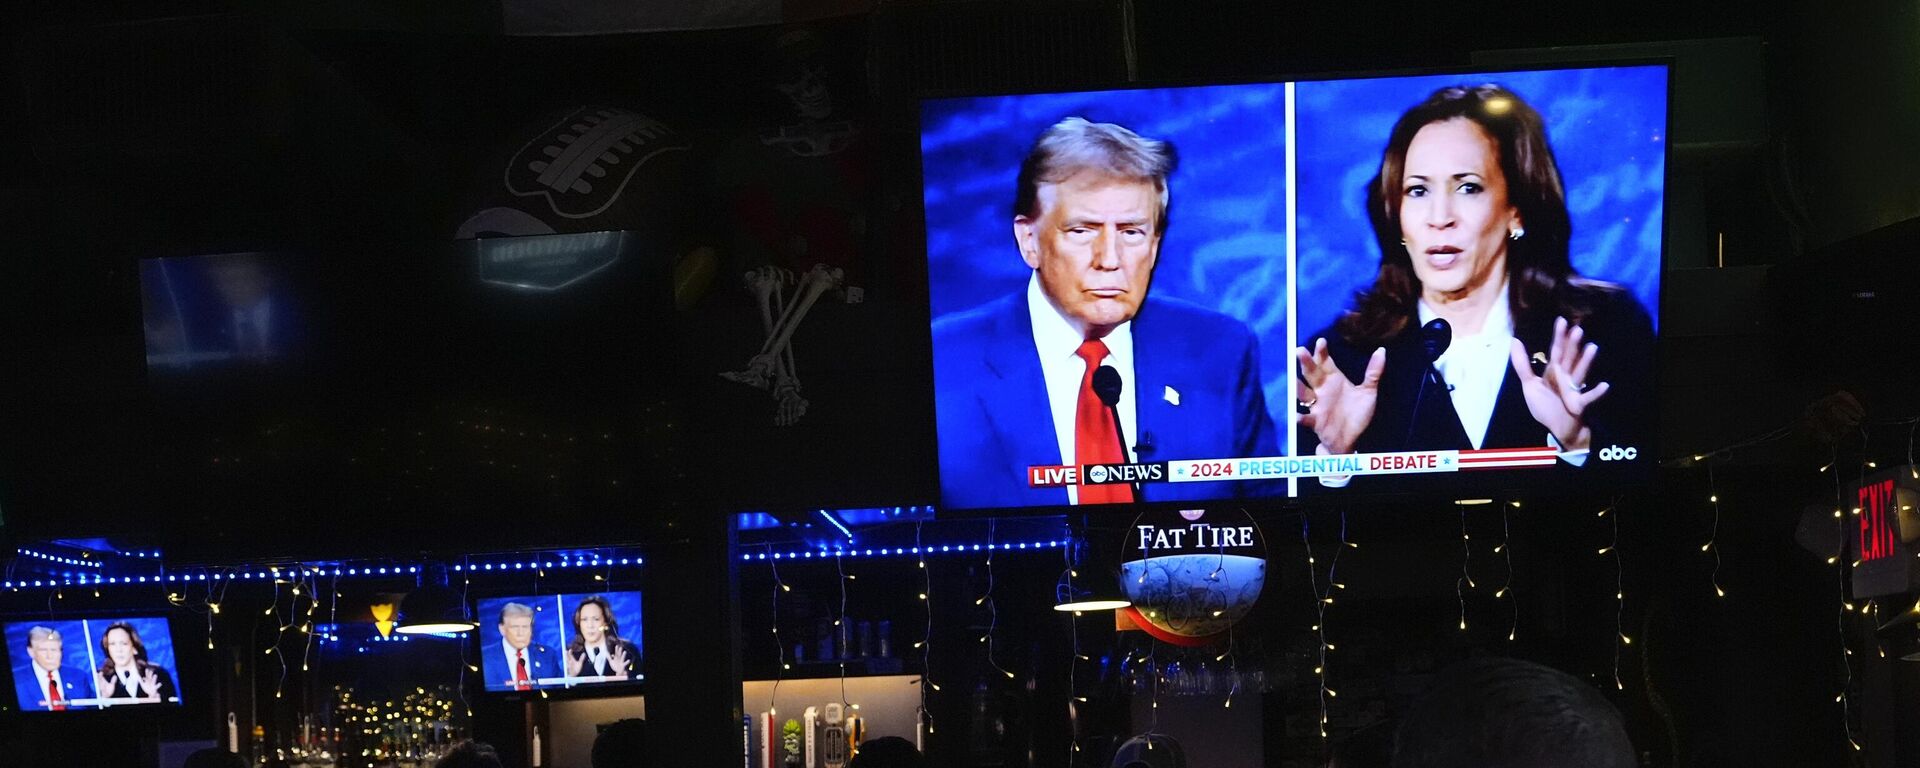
520	669
53	693
1095	439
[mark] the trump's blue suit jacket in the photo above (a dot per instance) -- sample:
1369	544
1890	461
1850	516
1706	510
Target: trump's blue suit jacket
1198	396
542	661
30	688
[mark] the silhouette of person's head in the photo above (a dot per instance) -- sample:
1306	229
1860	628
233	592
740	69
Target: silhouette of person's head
1504	713
470	754
887	752
622	744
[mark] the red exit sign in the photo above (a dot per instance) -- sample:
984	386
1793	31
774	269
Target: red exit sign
1878	538
1885	562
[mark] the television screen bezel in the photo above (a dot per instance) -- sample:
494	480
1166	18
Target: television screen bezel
170	712
614	689
1642	476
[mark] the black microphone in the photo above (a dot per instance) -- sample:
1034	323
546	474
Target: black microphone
1435	336
1107	387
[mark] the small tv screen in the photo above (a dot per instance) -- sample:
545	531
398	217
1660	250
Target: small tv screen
92	663
222	311
1443	283
560	641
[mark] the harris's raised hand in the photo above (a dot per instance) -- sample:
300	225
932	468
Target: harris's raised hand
1337	410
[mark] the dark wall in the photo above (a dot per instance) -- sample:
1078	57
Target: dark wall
207	130
367	144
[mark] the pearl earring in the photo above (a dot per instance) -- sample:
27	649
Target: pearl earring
1517	233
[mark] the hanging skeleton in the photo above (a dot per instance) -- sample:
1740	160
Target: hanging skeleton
800	188
773	367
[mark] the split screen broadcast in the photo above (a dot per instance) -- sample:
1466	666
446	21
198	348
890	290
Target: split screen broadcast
1440	283
526	643
560	641
76	664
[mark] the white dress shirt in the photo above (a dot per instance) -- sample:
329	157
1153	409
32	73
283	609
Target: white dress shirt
1475	366
1057	342
596	658
129	679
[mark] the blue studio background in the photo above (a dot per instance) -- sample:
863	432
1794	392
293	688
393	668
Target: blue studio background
155	634
548	616
73	647
1608	131
626	613
1226	242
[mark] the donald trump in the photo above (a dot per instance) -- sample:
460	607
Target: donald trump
46	682
1019	381
525	660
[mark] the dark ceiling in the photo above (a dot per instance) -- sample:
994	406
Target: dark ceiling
357	133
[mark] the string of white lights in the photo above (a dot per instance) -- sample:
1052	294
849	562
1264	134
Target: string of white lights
1333	567
842	632
212	604
1505	550
1779	433
465	569
1713	497
1233	661
1619	592
273	610
1320	628
1074	699
1233	669
1465	582
1840	584
306	628
926	640
993	609
1325	600
1153	683
779	646
333	618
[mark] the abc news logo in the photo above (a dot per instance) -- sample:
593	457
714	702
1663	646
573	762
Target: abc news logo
1617	453
1112	474
1054	476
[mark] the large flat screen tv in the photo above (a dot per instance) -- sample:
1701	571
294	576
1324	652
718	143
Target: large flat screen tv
1437	284
92	663
560	641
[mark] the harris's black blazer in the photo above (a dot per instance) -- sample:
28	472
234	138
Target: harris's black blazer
1624	417
115	690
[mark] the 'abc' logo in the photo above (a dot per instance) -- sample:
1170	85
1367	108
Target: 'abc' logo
1097	473
1617	453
